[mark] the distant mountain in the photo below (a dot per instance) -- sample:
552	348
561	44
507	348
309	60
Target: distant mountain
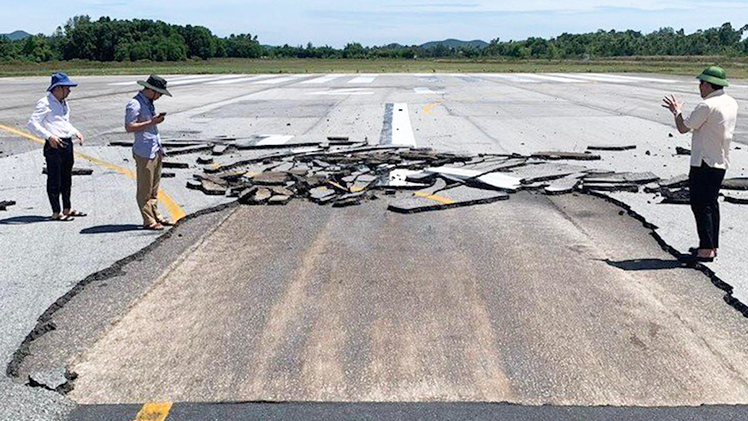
455	43
16	35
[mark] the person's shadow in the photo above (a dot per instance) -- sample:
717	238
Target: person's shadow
26	219
108	229
645	264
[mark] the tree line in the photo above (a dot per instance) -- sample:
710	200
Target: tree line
109	40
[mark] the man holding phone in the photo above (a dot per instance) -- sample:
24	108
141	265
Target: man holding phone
147	150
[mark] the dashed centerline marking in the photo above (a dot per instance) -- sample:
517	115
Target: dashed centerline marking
171	205
154	411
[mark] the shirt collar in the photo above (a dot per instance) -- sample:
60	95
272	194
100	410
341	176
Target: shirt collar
145	98
54	98
715	93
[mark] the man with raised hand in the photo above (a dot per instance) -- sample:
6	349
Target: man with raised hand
51	122
142	120
713	125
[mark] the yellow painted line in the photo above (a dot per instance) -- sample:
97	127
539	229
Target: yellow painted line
430	107
172	207
154	411
435	197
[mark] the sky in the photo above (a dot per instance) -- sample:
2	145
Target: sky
378	22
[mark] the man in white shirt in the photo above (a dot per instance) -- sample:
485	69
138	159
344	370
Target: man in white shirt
713	125
51	122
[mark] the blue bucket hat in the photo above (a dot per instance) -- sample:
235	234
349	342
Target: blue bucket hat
60	79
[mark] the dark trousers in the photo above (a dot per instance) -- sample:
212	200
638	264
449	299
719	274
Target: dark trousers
59	173
704	183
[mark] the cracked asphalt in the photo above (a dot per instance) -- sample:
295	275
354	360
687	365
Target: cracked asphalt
532	301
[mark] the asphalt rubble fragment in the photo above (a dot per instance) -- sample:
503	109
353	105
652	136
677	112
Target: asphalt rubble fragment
5	204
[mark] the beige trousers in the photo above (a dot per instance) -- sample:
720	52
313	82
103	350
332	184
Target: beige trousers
149	177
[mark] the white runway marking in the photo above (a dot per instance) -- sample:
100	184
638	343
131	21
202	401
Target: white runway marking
509	77
426	91
591	77
635	78
274	139
201	80
547	78
321	80
344	91
280	80
363	79
402	131
239	80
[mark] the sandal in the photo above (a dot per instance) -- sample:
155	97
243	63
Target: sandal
62	217
166	222
154	227
76	213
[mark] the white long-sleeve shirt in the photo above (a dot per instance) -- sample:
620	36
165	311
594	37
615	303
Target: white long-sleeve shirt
51	118
713	124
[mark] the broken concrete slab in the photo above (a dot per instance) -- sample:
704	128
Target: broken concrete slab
168	174
165	143
194	185
671	183
496	181
676	196
544	171
622	178
552	155
453	198
279	199
76	171
629	187
5	204
322	195
738	183
271	178
212	189
189	149
736	197
204	160
175	164
219	149
562	186
58	380
614	148
271	141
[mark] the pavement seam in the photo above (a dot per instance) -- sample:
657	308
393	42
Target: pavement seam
45	323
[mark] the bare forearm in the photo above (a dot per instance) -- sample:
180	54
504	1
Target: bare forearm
680	124
138	126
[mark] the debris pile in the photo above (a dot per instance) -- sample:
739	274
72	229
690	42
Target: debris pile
417	180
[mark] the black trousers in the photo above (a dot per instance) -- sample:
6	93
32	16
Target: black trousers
59	173
704	183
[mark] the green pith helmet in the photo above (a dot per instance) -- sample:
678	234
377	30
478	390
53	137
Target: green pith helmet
715	75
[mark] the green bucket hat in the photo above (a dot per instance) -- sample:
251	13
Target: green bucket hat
715	75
